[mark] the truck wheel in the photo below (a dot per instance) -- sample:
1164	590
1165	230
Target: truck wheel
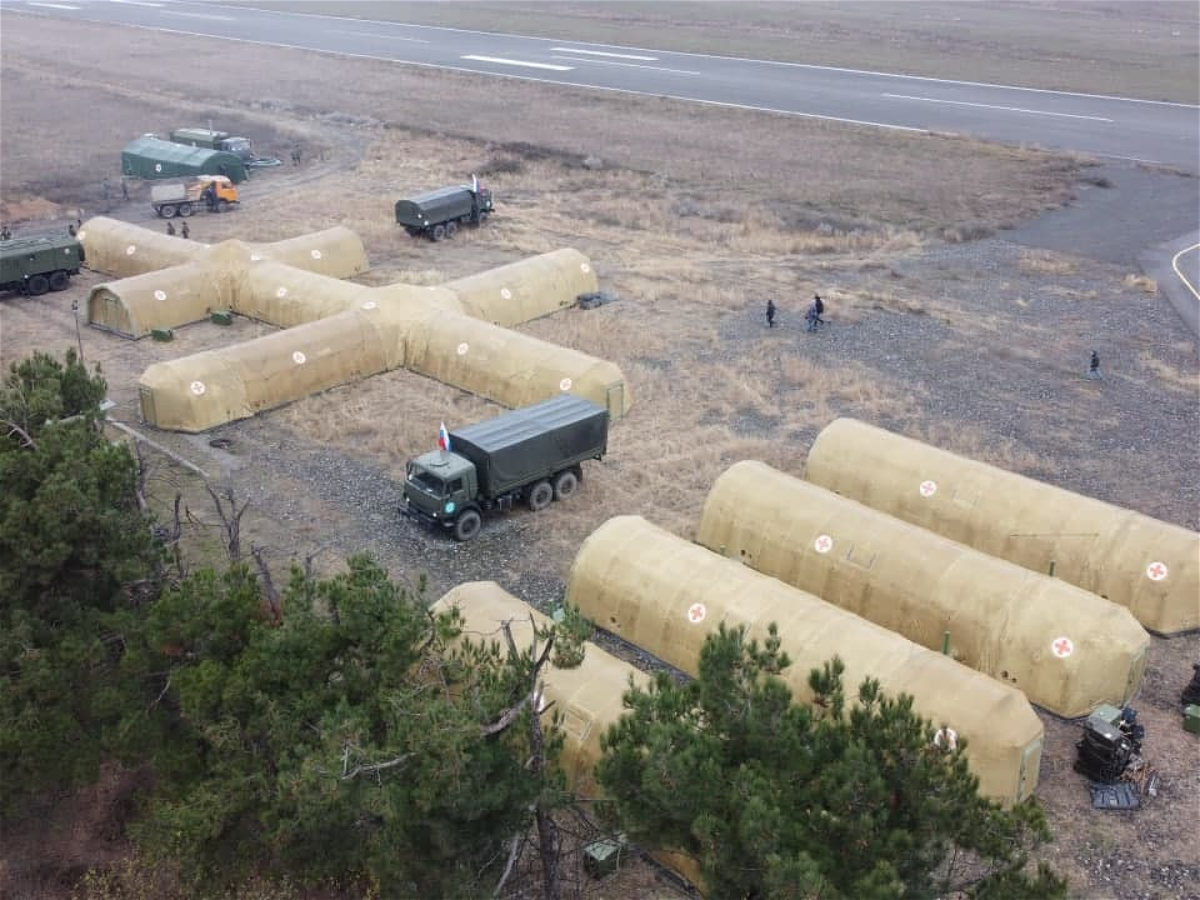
439	232
185	209
540	496
483	217
37	285
467	525
167	212
565	484
451	229
59	280
412	232
222	206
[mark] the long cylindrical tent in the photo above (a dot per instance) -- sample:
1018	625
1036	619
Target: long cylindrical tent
527	289
165	298
588	697
121	249
1066	648
1149	566
666	595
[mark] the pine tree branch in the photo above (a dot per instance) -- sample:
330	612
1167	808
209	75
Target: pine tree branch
513	855
14	428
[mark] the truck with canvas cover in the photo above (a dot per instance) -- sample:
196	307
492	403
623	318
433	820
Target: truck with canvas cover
531	454
34	265
150	158
438	214
214	140
215	193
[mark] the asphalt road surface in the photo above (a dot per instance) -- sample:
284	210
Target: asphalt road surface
1110	127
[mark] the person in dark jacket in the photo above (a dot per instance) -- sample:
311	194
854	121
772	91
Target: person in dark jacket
770	313
186	231
1094	367
819	304
170	229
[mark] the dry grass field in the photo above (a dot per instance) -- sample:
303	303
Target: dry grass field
939	327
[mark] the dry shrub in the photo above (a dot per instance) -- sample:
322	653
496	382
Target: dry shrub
967	231
1143	283
1044	262
975	443
1171	376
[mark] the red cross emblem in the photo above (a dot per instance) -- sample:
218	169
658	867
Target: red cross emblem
928	488
1156	571
696	613
823	544
1062	647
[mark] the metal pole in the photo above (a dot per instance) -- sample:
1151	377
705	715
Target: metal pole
78	335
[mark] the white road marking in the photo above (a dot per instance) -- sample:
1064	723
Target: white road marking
1032	112
136	2
499	60
602	53
387	37
188	15
54	5
1182	277
609	62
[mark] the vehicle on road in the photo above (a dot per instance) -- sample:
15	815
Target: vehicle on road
438	214
183	198
532	454
34	265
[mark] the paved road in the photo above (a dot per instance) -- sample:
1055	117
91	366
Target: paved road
1112	127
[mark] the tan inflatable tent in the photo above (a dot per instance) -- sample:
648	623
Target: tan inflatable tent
526	290
1066	648
1151	567
665	594
588	697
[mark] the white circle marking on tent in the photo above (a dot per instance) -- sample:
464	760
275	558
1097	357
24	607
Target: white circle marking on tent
298	358
585	268
463	348
198	388
160	295
823	544
255	257
158	167
81	235
316	254
928	488
1062	647
281	293
1157	571
370	304
947	738
565	384
131	249
696	613
506	293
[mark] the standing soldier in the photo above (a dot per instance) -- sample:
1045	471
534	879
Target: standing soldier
770	313
5	234
186	231
296	155
124	189
1094	367
171	229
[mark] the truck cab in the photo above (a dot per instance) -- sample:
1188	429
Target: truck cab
438	486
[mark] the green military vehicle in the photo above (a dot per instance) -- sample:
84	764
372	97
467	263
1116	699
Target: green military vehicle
214	140
531	454
438	214
34	265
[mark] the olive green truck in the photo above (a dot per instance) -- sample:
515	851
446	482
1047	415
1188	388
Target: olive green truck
34	265
532	454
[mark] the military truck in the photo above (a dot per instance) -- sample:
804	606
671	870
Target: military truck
531	454
438	214
214	140
185	197
34	265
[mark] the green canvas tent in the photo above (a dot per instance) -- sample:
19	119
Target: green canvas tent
148	157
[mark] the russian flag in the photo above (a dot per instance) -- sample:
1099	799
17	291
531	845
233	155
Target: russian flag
443	438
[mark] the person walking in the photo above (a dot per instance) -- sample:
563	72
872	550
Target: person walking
171	229
1093	371
5	234
124	189
186	231
770	313
296	155
820	305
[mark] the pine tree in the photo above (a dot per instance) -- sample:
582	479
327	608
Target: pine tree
775	800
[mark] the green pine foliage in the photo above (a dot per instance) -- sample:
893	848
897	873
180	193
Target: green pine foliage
350	741
776	800
72	538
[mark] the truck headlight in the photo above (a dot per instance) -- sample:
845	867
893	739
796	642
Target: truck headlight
448	509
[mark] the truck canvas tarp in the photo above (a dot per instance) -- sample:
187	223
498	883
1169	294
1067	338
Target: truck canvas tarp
438	214
536	440
151	158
